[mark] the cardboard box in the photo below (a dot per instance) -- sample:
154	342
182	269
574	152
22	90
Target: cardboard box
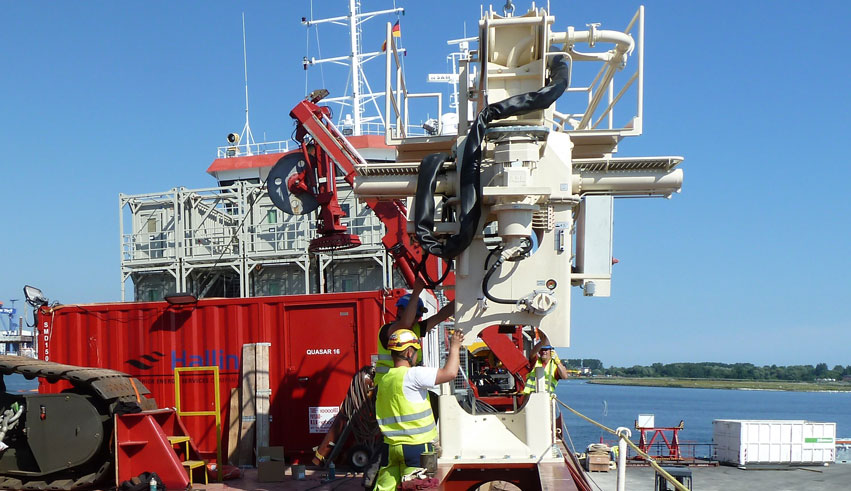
597	463
270	454
270	464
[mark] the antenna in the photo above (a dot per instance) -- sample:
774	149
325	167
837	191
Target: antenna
362	93
246	134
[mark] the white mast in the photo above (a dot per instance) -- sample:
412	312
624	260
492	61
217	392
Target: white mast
355	61
357	110
246	134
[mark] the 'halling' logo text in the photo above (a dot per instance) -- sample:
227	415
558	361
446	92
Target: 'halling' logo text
208	359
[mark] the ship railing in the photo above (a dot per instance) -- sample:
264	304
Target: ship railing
143	246
346	127
212	242
276	239
372	125
247	149
294	235
689	451
604	90
214	222
397	98
368	227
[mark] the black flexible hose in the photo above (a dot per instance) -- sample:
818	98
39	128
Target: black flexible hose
424	201
521	254
487	278
490	271
495	250
423	270
469	168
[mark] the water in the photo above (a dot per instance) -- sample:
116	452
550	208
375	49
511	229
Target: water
18	383
696	407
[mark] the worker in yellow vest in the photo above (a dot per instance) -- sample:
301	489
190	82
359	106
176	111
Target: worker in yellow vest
402	408
544	355
410	309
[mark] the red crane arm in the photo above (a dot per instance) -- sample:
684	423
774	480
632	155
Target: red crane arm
314	121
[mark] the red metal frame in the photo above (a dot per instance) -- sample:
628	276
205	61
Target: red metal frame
142	445
330	148
673	445
507	350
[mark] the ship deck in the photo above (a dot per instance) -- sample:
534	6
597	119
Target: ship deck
833	477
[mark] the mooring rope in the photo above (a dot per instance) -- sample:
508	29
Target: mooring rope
646	457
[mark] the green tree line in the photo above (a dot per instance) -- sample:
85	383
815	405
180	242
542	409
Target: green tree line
738	371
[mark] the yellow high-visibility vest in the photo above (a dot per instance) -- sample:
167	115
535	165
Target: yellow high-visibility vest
400	420
549	376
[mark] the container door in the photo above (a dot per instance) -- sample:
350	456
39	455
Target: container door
321	362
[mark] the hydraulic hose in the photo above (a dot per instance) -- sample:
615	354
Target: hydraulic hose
423	270
516	256
490	271
486	279
469	168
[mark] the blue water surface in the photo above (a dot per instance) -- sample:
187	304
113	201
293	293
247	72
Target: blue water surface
18	383
615	406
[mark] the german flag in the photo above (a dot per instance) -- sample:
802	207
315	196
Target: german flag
396	32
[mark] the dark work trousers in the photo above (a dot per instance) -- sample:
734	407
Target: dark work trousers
380	456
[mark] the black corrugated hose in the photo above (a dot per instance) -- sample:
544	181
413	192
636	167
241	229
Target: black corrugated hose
470	192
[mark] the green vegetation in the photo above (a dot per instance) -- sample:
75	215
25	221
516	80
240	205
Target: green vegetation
725	384
577	363
735	371
711	375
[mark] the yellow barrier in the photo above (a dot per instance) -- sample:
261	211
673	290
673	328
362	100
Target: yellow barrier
216	412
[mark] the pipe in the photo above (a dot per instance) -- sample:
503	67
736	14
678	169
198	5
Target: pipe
517	21
622	433
625	182
512	59
398	186
624	42
618	182
604	57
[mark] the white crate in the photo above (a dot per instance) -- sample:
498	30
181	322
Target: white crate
743	442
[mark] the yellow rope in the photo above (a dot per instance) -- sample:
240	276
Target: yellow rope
649	459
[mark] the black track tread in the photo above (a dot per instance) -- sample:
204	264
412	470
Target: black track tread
61	484
11	483
109	385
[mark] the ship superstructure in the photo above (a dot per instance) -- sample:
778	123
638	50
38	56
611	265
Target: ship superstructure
231	241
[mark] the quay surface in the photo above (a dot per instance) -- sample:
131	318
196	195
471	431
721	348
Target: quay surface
723	478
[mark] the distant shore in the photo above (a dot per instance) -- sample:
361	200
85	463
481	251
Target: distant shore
693	383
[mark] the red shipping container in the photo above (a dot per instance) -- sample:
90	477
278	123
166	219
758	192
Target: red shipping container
318	342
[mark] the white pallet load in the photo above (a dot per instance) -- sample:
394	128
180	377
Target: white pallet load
745	442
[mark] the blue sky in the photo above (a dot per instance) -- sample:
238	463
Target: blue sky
749	263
